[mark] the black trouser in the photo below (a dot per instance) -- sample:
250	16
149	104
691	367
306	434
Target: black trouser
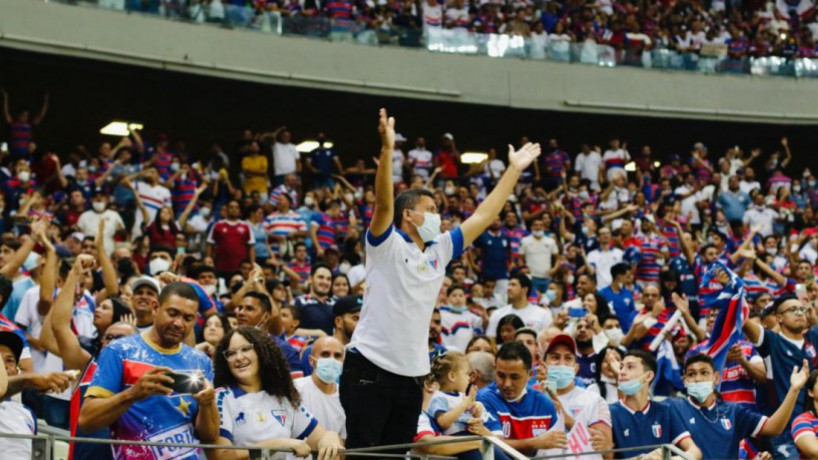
381	408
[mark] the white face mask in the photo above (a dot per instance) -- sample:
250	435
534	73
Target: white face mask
157	266
204	212
308	201
615	334
99	206
24	176
430	227
660	261
210	289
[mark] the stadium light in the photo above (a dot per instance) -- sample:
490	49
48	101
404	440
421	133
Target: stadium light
120	128
310	145
469	158
630	167
656	164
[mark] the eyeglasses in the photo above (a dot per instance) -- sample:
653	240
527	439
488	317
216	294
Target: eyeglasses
795	310
231	354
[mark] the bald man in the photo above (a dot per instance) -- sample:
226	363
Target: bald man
319	391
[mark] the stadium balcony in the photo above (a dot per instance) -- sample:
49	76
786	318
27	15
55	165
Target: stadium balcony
449	65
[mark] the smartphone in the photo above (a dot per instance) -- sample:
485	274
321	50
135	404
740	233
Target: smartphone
187	383
577	312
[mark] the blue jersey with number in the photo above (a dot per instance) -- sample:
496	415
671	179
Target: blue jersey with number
647	427
156	418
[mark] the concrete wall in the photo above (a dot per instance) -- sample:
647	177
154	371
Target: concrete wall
146	41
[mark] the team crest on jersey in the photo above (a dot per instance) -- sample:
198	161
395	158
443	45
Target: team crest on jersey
810	351
240	420
280	416
657	430
726	423
433	264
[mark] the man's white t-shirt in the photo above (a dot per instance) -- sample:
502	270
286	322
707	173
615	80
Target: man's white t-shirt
285	158
422	161
538	254
602	263
16	418
533	316
88	223
588	167
402	284
326	408
154	197
763	217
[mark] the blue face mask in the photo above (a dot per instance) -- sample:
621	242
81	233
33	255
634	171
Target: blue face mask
551	294
560	376
328	370
700	390
631	387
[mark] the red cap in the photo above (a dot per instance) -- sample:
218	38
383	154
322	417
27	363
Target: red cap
562	339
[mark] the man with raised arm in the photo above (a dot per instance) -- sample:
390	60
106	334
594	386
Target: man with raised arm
406	259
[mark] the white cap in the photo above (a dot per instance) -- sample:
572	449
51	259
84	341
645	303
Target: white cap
449	136
145	280
399	138
79	236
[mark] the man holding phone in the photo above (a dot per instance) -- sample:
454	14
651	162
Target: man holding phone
149	386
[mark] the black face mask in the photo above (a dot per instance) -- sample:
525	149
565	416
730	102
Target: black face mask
125	267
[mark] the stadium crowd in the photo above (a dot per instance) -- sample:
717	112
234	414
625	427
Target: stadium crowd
785	28
150	294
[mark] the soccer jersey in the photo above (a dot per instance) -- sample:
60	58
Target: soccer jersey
230	240
154	197
622	305
717	430
316	314
445	401
530	416
781	355
156	418
284	224
250	418
402	284
650	426
533	316
81	450
496	249
804	425
422	161
650	249
458	326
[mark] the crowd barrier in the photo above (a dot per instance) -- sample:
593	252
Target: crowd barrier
52	444
713	59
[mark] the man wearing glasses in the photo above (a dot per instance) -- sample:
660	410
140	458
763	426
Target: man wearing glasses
784	350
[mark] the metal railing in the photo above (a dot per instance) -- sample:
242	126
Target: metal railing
460	41
43	447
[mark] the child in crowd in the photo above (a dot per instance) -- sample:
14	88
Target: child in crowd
290	320
458	324
454	405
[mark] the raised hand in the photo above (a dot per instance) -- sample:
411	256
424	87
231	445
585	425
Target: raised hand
84	263
386	128
522	159
799	377
681	302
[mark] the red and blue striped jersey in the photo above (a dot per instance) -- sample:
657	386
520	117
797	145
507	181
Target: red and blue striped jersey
515	237
669	232
296	341
555	163
82	450
20	135
647	271
736	384
303	269
326	230
184	189
367	212
754	286
778	290
339	9
615	159
706	288
805	424
281	190
163	161
533	415
701	171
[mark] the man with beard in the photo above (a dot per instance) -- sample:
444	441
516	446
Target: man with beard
585	354
435	328
316	306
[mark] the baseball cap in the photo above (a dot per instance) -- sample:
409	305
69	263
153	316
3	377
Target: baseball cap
145	280
79	236
348	304
562	339
13	341
448	136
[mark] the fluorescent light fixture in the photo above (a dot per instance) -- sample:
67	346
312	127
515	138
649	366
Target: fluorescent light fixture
309	145
630	167
120	128
469	158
